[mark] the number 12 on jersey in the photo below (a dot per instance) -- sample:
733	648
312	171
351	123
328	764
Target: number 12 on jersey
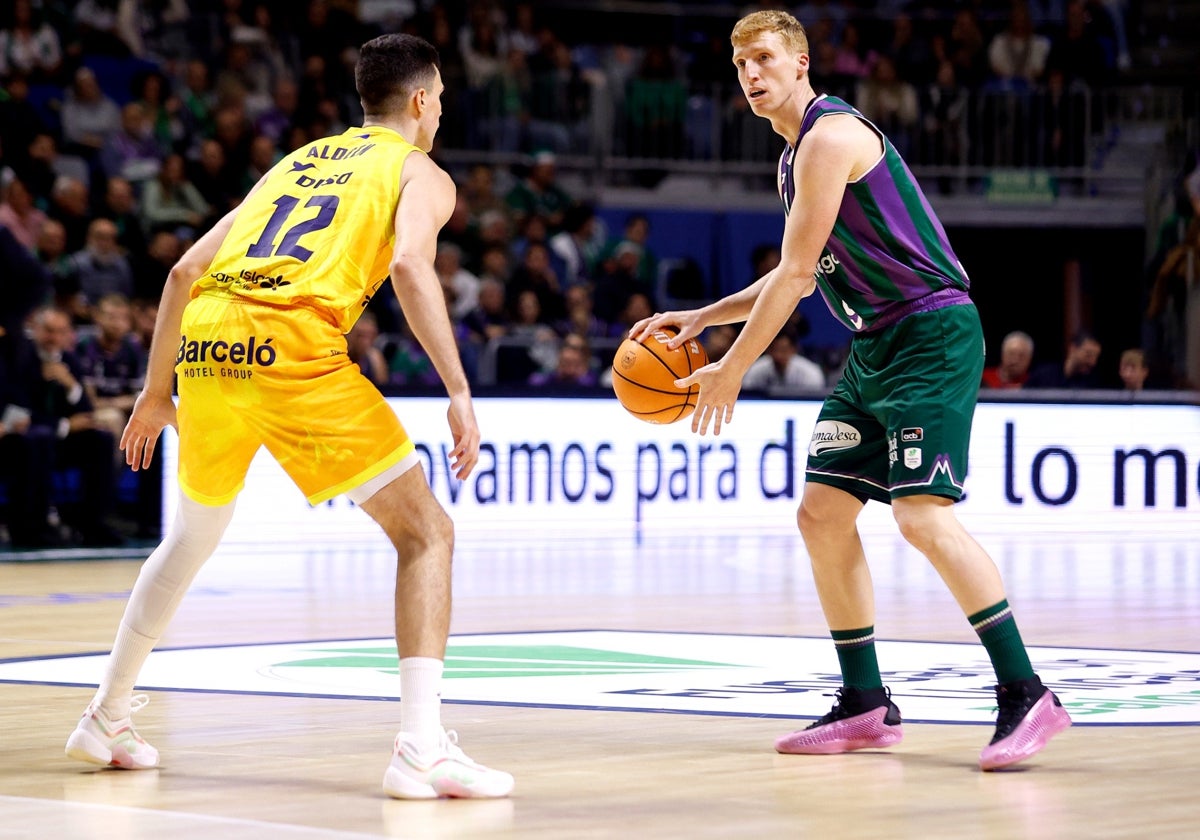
289	245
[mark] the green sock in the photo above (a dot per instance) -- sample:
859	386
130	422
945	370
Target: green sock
856	655
998	631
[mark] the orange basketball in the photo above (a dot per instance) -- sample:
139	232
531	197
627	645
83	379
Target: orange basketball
644	376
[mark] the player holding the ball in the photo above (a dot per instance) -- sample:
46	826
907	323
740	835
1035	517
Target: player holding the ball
252	322
897	426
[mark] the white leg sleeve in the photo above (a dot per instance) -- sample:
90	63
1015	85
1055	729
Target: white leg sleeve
165	577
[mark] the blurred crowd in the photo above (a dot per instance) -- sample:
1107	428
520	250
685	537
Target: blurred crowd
127	127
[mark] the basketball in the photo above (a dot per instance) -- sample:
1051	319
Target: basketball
644	376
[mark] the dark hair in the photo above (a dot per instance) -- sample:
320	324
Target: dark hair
391	67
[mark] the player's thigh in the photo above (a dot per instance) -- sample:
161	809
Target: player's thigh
932	385
216	445
407	510
848	449
330	431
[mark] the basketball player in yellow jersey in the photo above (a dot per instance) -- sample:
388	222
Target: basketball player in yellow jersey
252	321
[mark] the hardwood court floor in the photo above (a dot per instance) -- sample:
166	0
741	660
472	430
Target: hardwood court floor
248	765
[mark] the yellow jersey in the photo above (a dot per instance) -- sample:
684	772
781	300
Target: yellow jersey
319	232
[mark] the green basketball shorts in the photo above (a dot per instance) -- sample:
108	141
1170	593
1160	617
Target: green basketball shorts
898	423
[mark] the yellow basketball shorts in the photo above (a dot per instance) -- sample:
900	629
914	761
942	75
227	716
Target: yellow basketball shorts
252	375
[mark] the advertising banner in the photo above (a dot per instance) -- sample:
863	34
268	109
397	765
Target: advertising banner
569	465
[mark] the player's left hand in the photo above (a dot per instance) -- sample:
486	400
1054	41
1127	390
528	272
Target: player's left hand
719	390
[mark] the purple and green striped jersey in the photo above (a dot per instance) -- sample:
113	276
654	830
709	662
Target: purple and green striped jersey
888	255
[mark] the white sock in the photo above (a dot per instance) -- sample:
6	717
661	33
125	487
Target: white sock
129	652
161	585
421	698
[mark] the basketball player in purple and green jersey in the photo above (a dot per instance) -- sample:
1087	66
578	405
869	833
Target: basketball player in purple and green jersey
897	426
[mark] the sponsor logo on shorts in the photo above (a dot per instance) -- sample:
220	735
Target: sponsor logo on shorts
252	351
912	435
832	435
912	457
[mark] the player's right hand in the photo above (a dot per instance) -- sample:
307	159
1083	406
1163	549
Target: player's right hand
687	321
151	414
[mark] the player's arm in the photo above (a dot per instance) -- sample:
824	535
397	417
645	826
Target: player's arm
154	407
836	150
830	156
427	197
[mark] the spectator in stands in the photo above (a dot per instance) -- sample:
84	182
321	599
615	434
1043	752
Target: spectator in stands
101	266
263	155
216	179
539	193
51	249
151	265
19	119
275	121
482	48
535	274
145	312
132	152
494	264
617	279
197	100
783	369
1078	370
26	459
572	368
1016	355
1077	50
17	210
41	165
890	102
581	317
1017	54
637	307
479	191
170	200
70	205
575	245
163	109
943	108
112	362
655	107
1133	369
63	412
966	48
460	286
244	75
529	323
910	50
636	232
362	346
409	363
89	116
489	319
231	129
462	229
120	206
717	340
106	28
853	58
29	45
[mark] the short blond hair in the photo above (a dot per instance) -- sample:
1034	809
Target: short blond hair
757	23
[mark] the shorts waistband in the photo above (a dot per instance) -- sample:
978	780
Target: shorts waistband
940	299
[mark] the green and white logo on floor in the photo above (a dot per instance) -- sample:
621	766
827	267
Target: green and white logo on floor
764	676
